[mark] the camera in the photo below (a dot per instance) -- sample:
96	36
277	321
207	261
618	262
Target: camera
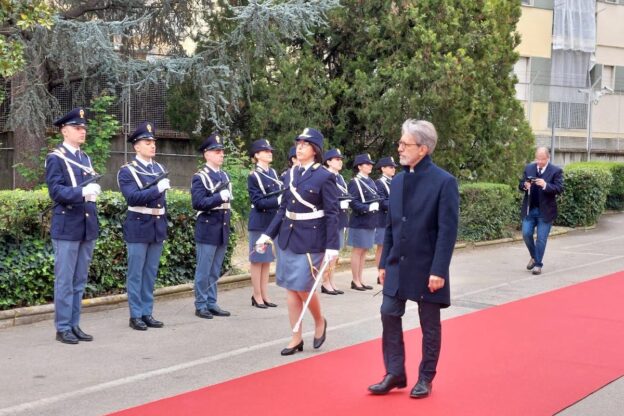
531	179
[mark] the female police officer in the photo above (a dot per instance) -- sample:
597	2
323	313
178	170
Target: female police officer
307	221
262	185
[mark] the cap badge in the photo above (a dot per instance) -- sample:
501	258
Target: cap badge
149	127
81	113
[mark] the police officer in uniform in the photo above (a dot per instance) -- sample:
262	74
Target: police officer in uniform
388	169
363	221
145	227
333	160
307	221
211	193
262	185
74	223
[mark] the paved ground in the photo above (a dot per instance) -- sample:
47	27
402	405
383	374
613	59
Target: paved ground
123	368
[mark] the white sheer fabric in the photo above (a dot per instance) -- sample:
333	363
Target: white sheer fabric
569	72
574	25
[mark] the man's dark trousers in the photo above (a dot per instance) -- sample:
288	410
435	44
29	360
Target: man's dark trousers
392	311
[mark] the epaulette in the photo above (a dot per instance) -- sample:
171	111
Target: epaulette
316	166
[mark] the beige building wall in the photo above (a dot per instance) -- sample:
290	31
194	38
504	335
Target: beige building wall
535	28
610	34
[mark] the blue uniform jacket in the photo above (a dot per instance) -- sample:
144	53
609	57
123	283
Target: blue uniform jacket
72	218
263	209
553	175
343	191
138	227
361	217
318	187
421	231
383	189
212	225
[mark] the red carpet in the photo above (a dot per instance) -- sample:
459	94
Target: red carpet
530	357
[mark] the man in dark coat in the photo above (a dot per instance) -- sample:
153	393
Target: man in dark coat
541	183
420	237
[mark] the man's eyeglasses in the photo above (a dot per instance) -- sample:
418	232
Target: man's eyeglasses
401	144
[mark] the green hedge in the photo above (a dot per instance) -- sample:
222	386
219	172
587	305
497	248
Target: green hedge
615	198
586	190
27	261
488	211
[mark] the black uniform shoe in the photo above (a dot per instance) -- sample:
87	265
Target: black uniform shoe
270	304
356	287
138	324
389	382
217	311
329	292
66	337
317	342
421	390
338	291
151	322
81	335
292	350
262	305
367	287
203	313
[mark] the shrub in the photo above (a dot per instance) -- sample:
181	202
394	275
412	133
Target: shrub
615	198
27	261
487	211
586	190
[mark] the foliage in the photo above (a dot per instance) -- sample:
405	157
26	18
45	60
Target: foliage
102	127
615	198
585	195
488	211
27	261
357	85
93	44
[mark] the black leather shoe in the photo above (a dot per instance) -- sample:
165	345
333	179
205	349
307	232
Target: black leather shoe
203	313
258	305
329	292
367	287
389	382
138	324
81	335
338	291
421	390
531	264
292	350
270	304
317	342
66	337
151	322
356	287
217	311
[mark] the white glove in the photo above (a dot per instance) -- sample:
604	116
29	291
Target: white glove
91	189
279	199
262	242
374	206
344	204
163	185
330	254
225	195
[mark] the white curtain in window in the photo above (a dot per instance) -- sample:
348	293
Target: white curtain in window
569	72
574	26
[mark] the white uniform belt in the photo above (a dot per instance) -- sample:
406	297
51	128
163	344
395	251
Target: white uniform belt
225	205
148	211
298	216
90	198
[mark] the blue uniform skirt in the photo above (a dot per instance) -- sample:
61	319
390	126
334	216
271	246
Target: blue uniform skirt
255	257
293	270
361	237
380	233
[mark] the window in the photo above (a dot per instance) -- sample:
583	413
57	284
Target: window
567	115
608	76
522	70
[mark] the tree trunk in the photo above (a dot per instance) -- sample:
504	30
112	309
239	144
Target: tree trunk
28	141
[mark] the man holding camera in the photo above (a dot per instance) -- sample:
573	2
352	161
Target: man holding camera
541	183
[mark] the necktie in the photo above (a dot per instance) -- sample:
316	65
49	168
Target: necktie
150	168
539	172
78	156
